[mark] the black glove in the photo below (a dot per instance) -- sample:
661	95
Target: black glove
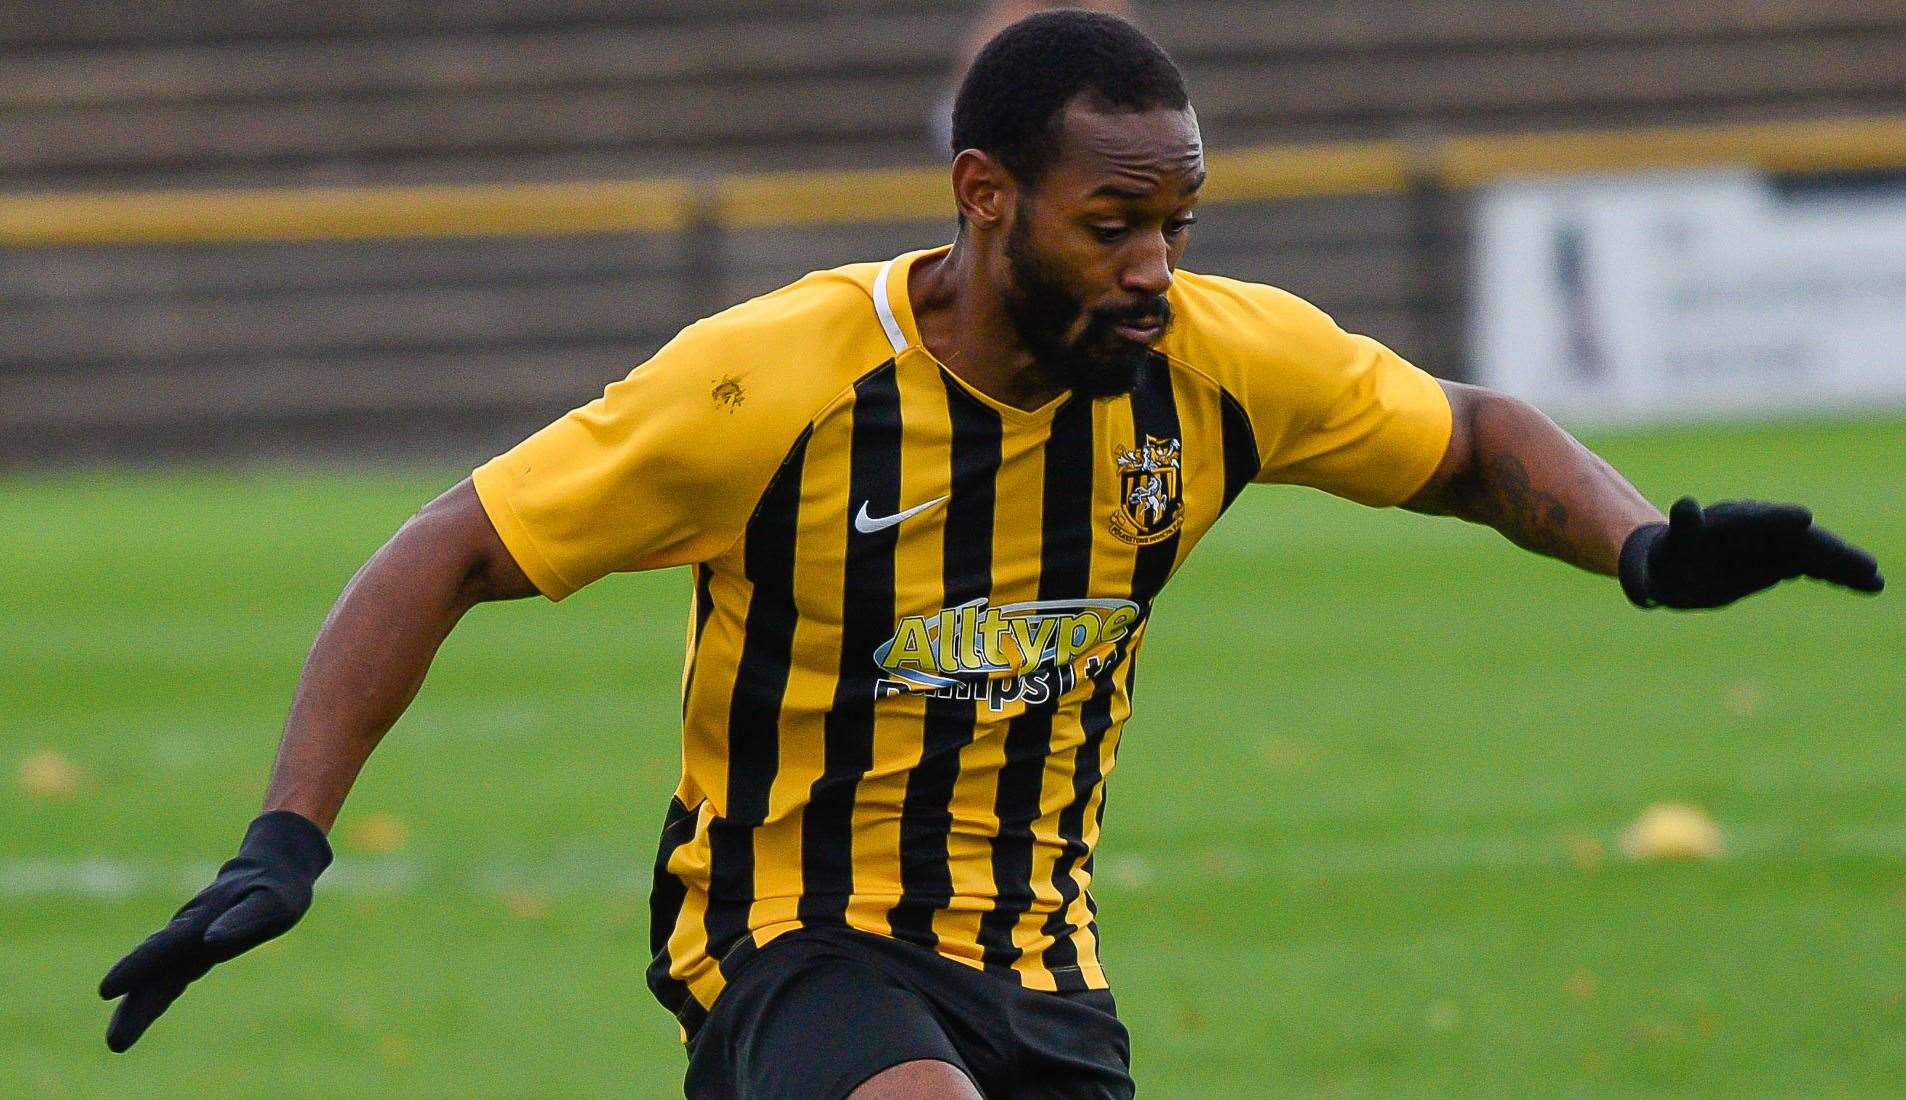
1714	556
259	894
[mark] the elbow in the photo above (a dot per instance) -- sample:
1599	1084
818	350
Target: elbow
1489	419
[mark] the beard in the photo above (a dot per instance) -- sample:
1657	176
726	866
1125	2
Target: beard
1098	362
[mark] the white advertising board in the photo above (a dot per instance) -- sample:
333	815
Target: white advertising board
1689	295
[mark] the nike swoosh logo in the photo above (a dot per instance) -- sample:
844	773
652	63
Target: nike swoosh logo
867	524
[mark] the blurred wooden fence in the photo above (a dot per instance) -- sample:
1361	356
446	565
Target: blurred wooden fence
225	228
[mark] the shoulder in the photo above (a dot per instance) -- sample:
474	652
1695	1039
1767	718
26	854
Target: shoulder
734	391
792	348
1326	408
1241	334
815	303
667	465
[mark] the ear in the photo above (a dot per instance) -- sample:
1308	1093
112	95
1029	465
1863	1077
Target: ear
982	189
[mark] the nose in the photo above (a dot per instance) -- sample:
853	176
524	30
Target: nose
1148	268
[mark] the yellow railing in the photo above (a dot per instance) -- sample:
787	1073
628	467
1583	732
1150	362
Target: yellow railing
895	194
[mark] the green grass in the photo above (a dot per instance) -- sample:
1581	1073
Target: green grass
1337	860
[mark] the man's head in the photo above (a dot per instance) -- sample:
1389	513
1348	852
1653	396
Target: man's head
1077	162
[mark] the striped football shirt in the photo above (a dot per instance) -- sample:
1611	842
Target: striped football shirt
917	610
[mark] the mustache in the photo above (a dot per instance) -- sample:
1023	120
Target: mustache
1155	311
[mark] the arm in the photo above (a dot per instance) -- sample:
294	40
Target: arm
1511	468
371	655
652	474
366	666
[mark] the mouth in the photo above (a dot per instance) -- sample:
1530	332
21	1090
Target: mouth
1142	331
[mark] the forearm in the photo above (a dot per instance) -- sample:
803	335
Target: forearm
373	651
1534	483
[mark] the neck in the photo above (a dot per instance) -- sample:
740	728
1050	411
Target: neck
961	314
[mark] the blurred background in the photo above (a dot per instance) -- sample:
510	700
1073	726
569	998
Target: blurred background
273	274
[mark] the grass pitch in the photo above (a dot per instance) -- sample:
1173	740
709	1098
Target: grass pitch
1361	840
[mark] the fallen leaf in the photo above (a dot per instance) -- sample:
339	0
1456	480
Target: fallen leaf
49	774
376	834
1672	830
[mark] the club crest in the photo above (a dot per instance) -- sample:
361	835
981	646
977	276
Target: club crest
1151	485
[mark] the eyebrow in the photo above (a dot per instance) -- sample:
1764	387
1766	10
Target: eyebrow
1113	190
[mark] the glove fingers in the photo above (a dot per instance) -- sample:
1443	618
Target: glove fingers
1830	558
159	952
1787	518
135	1014
257	917
1685	517
1752	517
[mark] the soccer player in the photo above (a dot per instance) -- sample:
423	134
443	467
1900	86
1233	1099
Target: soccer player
928	504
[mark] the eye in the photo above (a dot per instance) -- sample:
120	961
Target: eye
1177	226
1108	234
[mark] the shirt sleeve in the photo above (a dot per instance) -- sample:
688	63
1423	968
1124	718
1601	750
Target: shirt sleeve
1376	427
1328	409
663	469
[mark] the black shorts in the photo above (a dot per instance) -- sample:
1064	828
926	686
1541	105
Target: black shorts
818	1011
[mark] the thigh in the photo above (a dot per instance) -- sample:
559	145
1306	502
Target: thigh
808	1021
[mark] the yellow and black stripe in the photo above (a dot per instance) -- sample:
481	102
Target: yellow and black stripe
927	816
917	611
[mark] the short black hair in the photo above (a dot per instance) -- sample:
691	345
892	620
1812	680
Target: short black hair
1012	98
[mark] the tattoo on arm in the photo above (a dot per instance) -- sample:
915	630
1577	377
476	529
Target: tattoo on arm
1512	468
1530	517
